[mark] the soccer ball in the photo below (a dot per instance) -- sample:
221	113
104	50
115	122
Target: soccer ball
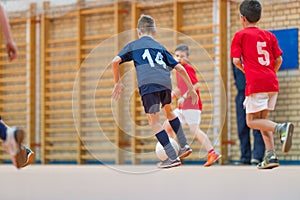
160	152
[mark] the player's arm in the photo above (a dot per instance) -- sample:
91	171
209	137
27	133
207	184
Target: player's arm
118	87
196	86
278	62
191	91
11	47
237	62
175	93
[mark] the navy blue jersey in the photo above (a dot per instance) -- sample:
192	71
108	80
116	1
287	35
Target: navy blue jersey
153	64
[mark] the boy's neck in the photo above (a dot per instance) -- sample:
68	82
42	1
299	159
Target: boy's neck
145	34
250	25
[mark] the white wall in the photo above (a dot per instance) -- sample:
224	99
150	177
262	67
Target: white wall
17	5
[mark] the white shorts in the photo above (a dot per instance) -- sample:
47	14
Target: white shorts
260	101
188	117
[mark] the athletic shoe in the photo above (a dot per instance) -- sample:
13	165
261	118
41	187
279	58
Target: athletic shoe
185	151
254	161
212	158
168	163
286	133
13	146
241	163
268	163
30	156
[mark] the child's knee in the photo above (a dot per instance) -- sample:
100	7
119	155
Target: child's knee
249	123
193	129
167	126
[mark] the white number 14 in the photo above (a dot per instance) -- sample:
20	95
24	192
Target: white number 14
158	59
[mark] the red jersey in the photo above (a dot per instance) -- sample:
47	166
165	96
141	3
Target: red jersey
183	88
258	50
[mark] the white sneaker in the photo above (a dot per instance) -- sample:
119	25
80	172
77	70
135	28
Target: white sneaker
286	133
168	163
13	146
268	163
185	151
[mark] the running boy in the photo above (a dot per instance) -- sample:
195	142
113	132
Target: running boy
187	112
153	64
13	137
261	59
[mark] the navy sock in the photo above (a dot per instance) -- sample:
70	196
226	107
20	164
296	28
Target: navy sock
163	139
2	131
176	126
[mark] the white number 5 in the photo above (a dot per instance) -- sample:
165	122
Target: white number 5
264	59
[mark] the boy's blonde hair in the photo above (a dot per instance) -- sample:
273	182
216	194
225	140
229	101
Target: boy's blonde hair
146	24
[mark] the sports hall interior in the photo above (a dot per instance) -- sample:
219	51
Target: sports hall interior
59	89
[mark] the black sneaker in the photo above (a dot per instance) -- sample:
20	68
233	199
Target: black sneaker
286	133
269	163
169	163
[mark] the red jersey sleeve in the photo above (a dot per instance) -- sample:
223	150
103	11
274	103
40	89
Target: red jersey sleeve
192	74
236	46
275	49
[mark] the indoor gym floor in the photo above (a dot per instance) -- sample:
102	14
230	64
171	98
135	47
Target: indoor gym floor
86	182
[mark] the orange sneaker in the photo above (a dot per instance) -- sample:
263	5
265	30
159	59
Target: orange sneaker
212	158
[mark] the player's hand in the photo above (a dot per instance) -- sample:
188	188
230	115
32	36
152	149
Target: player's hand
12	51
117	91
180	101
194	95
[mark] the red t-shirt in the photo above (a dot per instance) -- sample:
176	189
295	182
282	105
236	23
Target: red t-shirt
183	88
258	50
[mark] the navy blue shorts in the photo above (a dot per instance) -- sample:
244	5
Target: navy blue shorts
152	101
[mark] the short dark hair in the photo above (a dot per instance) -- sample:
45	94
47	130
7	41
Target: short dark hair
146	24
184	48
251	9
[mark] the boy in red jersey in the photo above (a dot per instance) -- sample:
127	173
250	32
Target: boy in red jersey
187	112
261	58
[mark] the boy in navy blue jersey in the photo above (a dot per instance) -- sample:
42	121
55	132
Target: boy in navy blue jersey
153	64
13	137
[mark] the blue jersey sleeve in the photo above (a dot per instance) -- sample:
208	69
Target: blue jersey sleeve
169	59
126	54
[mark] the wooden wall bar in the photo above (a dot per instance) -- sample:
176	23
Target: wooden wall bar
17	79
79	123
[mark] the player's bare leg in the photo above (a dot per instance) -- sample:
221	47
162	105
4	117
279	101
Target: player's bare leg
267	127
13	144
212	155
